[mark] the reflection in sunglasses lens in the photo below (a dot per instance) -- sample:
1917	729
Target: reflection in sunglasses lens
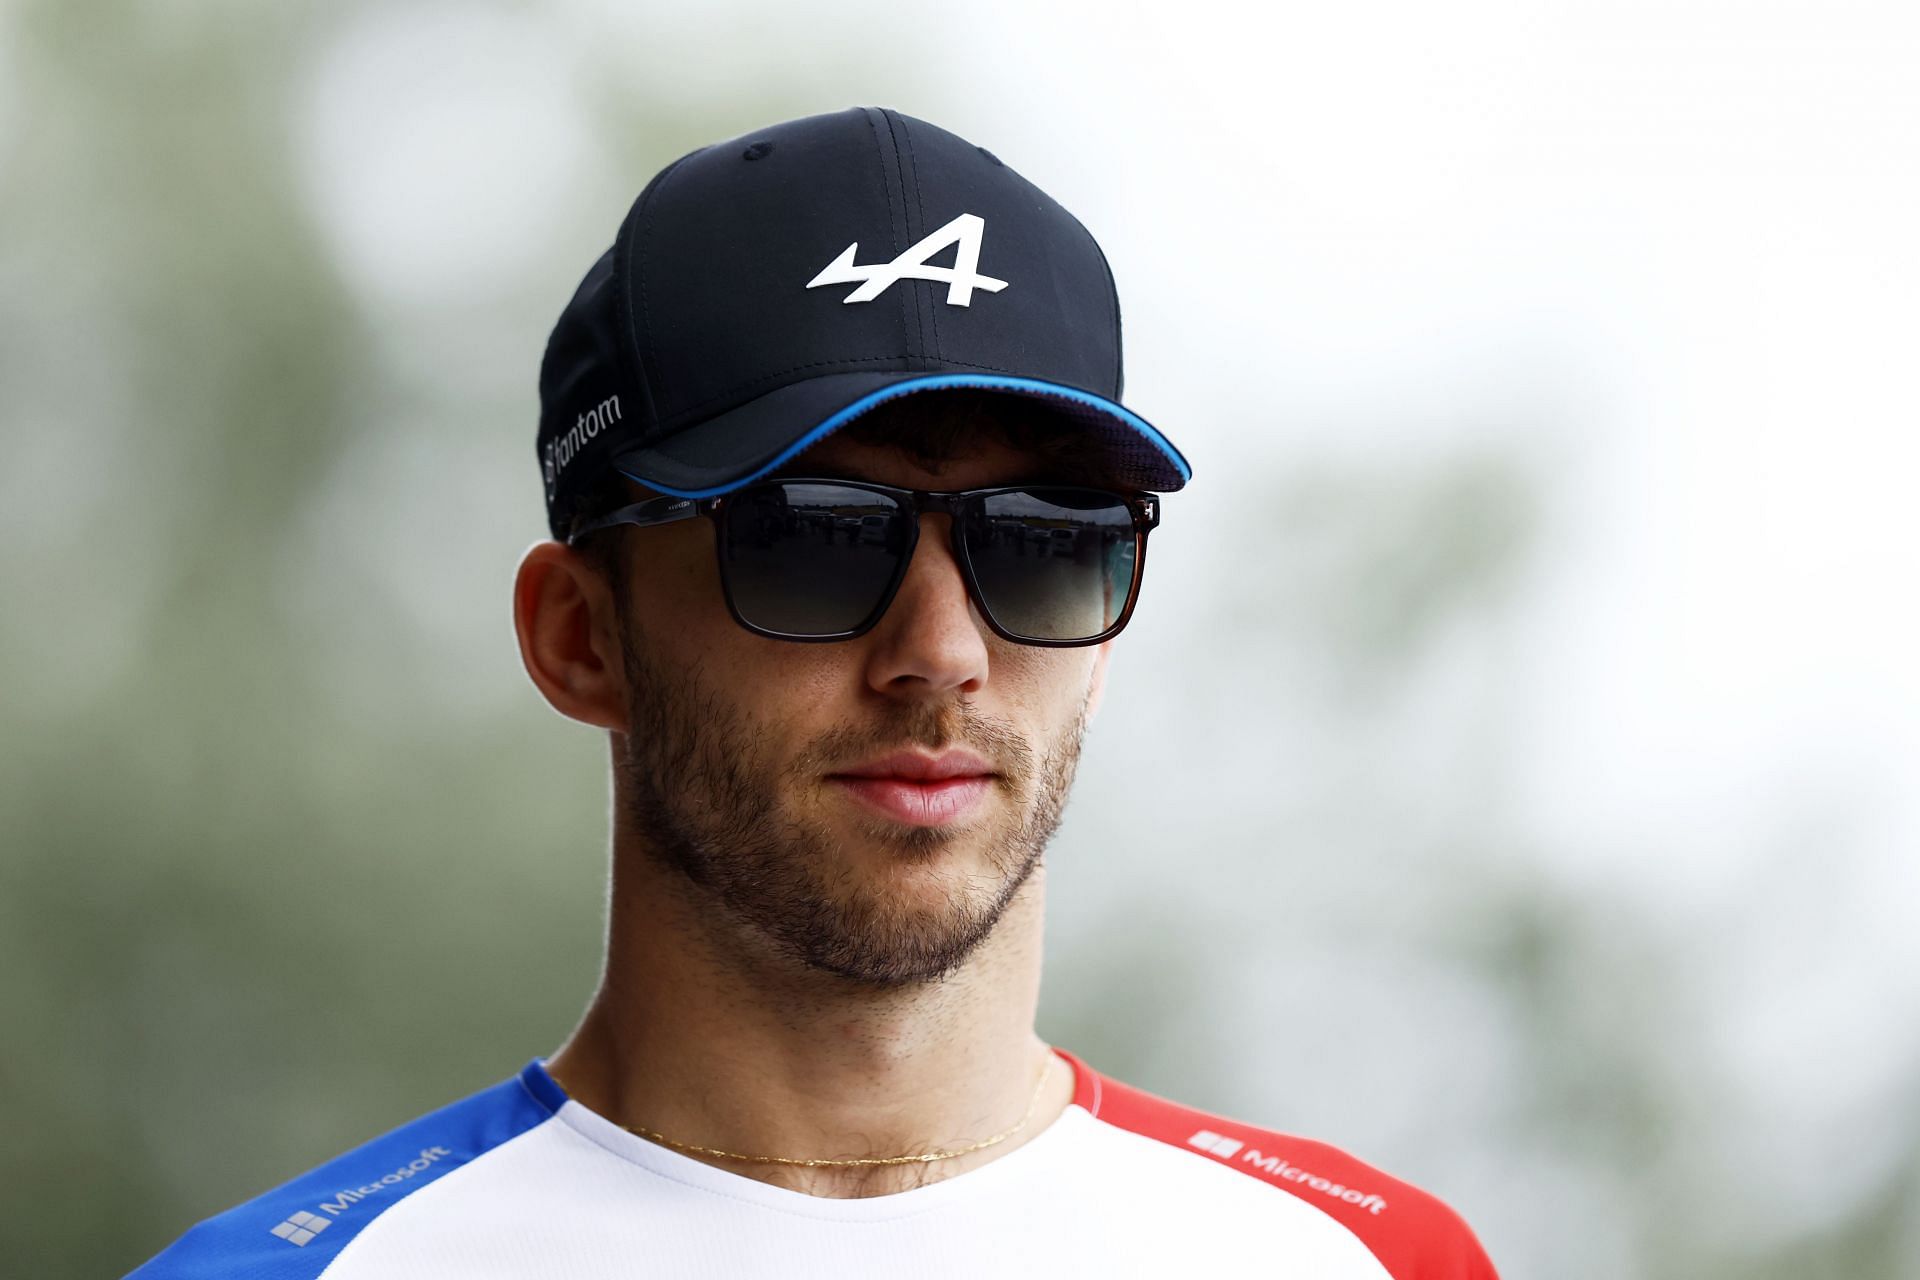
810	559
815	559
1053	564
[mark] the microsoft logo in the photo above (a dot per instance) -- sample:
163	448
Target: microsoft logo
304	1226
301	1227
1208	1140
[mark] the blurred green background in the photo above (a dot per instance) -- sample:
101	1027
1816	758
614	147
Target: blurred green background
1379	837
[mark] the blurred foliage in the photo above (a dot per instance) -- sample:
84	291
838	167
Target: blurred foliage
274	877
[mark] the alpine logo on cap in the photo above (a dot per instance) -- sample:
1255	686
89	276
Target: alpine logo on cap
962	278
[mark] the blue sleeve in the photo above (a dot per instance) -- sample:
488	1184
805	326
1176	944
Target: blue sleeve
295	1230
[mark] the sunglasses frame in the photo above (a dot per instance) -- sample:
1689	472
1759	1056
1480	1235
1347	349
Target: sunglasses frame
1143	507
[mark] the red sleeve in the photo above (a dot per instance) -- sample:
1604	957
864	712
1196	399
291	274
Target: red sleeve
1414	1234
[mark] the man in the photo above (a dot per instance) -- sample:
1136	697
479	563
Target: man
846	516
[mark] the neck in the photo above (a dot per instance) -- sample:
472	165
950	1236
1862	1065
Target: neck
700	1038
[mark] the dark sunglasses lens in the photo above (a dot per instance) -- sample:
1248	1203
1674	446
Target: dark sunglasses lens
1053	564
810	559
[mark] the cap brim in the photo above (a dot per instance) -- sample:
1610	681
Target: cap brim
745	443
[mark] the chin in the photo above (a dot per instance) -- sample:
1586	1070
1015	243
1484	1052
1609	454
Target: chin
919	927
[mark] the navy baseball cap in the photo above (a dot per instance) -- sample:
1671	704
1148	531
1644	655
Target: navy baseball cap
764	291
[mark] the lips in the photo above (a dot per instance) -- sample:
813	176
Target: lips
919	790
915	767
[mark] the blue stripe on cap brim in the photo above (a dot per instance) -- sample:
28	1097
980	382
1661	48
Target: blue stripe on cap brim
1034	387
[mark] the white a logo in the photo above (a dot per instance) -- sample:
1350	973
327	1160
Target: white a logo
962	278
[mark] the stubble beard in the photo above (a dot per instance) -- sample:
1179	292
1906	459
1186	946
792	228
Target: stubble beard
697	787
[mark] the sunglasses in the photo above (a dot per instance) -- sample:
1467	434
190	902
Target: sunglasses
821	559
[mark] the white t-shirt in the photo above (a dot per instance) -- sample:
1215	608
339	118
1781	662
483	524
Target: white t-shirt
519	1180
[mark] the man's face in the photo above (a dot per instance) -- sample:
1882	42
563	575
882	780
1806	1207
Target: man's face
729	775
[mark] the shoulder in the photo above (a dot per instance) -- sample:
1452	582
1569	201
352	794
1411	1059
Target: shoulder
1413	1233
296	1230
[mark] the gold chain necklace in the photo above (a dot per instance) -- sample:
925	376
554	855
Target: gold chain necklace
1032	1102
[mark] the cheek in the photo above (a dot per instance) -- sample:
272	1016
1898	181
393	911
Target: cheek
781	694
1047	685
789	687
674	589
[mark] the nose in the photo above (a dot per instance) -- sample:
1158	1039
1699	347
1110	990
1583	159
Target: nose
931	640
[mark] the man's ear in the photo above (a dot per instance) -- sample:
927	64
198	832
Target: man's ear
1101	653
563	613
